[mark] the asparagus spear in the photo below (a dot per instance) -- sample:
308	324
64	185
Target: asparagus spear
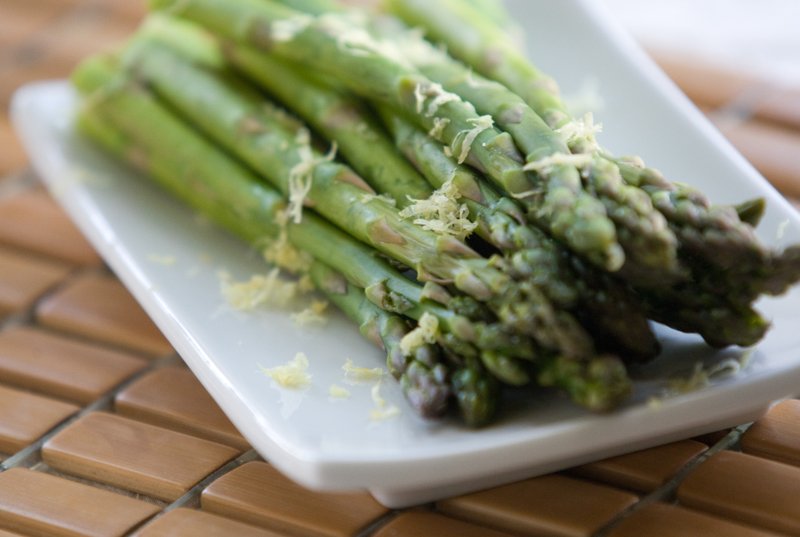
130	124
338	117
221	108
422	375
495	215
716	235
427	383
729	266
375	69
721	237
125	119
628	329
650	246
485	46
610	311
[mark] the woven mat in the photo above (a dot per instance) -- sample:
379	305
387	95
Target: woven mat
104	432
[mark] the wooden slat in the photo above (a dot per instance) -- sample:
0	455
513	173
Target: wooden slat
100	308
643	471
24	417
135	456
33	221
42	505
777	434
172	397
56	365
748	489
193	523
258	494
553	505
662	520
421	523
24	278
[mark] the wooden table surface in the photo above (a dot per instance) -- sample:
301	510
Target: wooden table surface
104	432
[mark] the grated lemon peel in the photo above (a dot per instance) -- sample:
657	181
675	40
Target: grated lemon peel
162	259
292	375
301	176
281	253
436	96
441	212
338	392
382	410
286	29
580	134
543	165
426	332
439	124
260	289
314	314
355	373
467	137
701	377
385	198
351	37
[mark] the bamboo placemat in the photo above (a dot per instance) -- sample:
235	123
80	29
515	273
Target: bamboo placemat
104	432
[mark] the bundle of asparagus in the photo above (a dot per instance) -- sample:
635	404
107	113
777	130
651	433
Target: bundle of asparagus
469	226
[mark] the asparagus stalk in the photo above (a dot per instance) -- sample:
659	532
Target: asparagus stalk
129	123
331	44
648	243
422	375
609	310
716	235
729	266
152	134
338	117
365	146
721	237
485	46
221	109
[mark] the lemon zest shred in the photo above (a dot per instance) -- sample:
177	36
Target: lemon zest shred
281	253
355	373
260	289
441	212
436	96
338	392
301	176
382	410
293	374
385	198
166	260
467	137
439	124
543	165
426	332
312	315
580	134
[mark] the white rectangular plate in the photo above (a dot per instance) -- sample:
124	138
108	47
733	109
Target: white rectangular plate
333	444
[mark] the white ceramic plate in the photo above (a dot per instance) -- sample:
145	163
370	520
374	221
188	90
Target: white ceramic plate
333	444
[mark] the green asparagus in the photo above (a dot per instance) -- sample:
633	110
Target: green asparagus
606	307
333	45
423	376
123	118
728	266
337	117
221	108
464	222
